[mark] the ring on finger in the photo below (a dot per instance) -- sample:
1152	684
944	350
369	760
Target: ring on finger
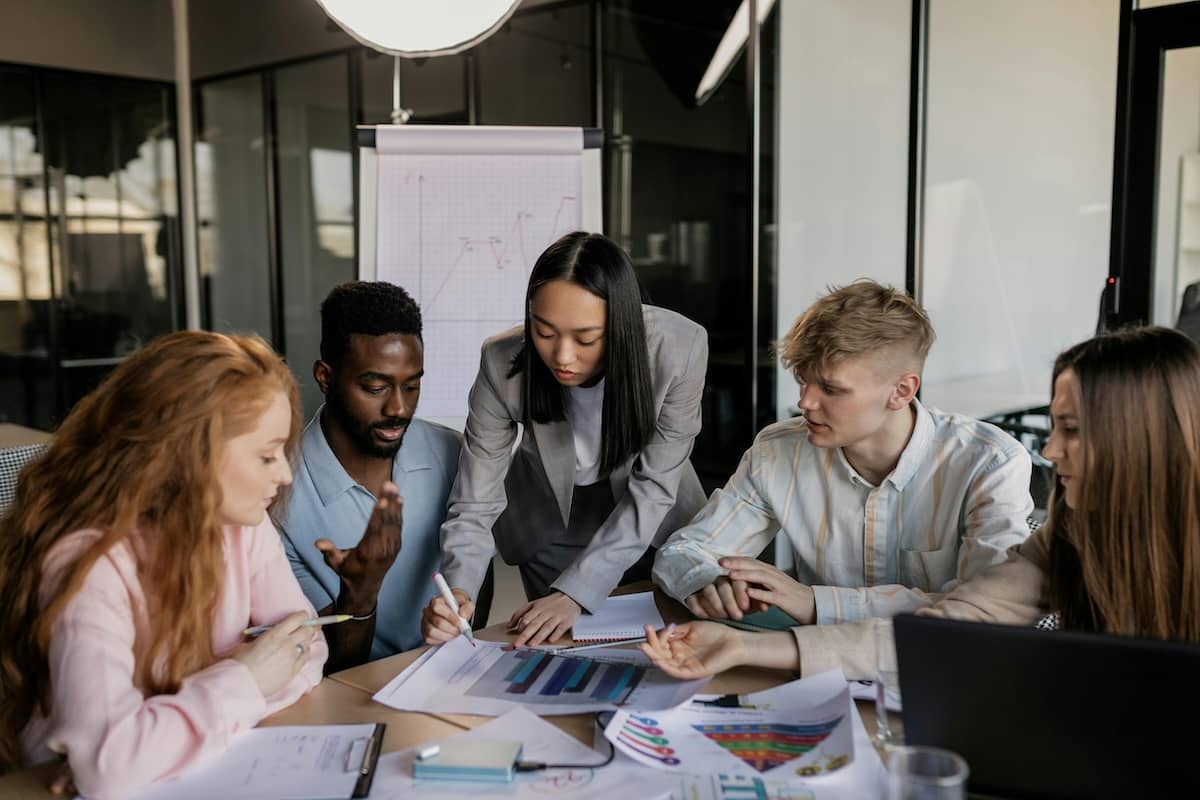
299	649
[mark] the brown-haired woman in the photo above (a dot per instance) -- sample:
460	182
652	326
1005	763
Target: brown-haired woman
1119	553
137	550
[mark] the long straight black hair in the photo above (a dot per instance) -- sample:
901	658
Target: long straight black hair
595	263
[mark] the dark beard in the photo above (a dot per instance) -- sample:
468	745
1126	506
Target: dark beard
360	433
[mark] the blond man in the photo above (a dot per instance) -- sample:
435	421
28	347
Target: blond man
886	504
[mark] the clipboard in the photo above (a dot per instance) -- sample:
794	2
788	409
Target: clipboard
289	762
366	770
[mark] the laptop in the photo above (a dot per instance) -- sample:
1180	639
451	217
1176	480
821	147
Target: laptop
1051	714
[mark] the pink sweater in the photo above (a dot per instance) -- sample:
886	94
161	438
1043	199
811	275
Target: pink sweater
116	738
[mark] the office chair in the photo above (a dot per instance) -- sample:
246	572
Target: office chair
1189	312
12	461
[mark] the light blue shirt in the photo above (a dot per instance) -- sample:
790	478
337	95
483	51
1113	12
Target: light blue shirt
955	502
325	502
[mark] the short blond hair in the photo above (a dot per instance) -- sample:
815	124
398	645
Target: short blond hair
860	319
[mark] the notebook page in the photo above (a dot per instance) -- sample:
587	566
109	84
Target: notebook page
622	617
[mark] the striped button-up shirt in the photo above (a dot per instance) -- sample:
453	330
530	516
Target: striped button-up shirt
955	502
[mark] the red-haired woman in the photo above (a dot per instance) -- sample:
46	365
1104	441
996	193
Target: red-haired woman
137	550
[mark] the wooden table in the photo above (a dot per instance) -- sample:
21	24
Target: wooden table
330	702
370	678
345	697
18	435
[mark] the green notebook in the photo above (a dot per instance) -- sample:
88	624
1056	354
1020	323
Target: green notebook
770	620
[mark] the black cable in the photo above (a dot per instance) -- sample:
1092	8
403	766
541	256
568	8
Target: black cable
535	766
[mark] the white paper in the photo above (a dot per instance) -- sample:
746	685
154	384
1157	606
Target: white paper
802	728
461	231
621	617
460	679
490	140
863	777
292	762
541	742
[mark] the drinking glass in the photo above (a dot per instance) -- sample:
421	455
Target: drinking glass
926	773
888	729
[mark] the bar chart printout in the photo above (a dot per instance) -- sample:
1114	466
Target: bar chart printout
492	678
539	677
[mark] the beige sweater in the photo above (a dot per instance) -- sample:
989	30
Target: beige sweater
1012	593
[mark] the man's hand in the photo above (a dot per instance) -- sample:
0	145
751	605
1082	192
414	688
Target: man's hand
768	586
723	599
363	567
544	620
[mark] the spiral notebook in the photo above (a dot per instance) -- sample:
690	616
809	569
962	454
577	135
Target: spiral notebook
621	617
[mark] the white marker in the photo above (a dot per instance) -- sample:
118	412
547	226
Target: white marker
448	596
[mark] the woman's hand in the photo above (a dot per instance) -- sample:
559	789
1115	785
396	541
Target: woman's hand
439	624
544	620
276	656
695	650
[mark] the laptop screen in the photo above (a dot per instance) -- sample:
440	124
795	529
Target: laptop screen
1051	714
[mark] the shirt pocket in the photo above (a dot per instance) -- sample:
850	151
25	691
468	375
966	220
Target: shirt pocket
928	570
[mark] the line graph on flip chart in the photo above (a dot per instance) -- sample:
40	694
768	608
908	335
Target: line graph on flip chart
458	216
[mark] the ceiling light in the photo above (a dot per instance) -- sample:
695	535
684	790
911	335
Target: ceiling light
419	28
729	48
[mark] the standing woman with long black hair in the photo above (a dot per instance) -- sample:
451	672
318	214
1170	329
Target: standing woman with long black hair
608	391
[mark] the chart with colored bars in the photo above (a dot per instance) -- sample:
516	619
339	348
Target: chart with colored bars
766	746
540	677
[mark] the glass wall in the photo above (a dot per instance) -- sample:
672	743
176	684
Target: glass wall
435	90
678	200
1018	186
537	69
314	164
89	245
27	371
1177	215
232	206
842	161
676	173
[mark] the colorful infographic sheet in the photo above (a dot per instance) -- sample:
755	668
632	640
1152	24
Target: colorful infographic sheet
801	729
490	679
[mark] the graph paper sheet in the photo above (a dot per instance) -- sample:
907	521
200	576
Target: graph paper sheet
490	680
462	215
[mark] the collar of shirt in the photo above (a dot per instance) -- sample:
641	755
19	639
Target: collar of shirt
330	477
911	457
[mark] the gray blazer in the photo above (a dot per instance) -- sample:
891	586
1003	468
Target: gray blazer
499	496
